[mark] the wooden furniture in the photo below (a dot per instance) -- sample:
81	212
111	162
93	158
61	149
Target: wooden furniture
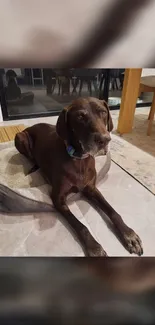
147	84
88	77
133	85
50	80
129	98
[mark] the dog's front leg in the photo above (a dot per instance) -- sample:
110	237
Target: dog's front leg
90	246
128	237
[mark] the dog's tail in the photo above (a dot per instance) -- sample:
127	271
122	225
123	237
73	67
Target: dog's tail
12	202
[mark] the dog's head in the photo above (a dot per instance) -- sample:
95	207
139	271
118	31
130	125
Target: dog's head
86	125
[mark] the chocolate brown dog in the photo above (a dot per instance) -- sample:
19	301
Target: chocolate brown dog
65	155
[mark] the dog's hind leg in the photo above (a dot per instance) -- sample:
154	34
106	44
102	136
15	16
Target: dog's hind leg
24	144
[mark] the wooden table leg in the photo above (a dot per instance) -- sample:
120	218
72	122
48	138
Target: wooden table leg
129	98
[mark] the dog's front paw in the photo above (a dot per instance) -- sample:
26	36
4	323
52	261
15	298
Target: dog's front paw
91	247
132	242
96	250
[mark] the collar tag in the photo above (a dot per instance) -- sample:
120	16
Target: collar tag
70	151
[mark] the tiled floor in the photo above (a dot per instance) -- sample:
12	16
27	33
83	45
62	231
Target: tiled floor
36	236
135	151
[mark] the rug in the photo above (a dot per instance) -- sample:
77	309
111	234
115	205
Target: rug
7	133
135	152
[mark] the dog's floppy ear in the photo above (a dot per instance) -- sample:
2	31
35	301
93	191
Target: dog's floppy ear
61	126
110	125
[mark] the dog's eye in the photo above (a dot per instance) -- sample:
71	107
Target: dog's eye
81	116
103	113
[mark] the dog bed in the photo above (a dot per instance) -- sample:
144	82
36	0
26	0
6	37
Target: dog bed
25	204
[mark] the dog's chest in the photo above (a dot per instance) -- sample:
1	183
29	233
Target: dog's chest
81	173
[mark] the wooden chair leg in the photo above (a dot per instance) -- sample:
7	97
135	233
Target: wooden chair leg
140	91
81	86
151	116
149	113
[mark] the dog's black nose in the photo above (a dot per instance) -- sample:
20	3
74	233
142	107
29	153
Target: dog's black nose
102	140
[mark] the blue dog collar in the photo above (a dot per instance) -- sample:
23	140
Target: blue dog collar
71	152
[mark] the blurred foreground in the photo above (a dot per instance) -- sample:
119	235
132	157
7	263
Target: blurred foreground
77	291
71	33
